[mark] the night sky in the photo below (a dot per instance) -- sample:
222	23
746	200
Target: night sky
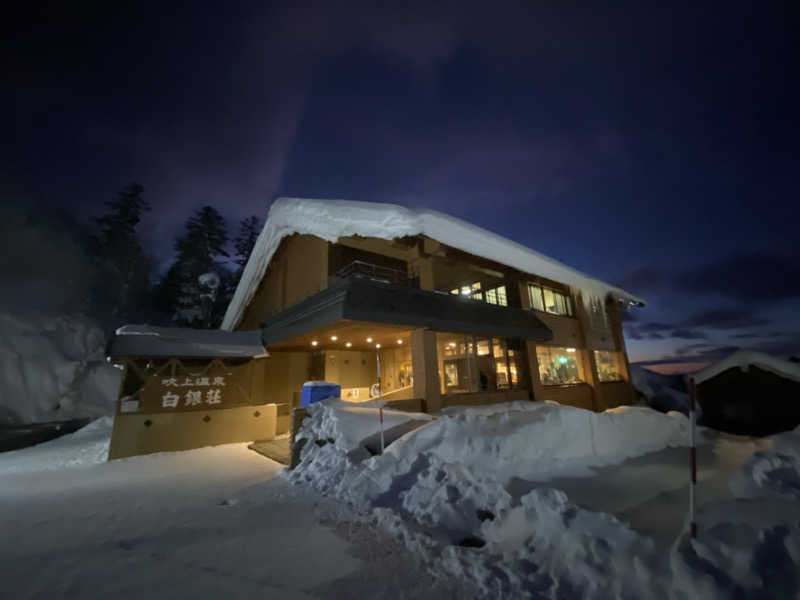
652	145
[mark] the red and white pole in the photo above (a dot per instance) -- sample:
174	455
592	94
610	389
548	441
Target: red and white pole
692	457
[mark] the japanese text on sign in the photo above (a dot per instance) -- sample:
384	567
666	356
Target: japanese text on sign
192	397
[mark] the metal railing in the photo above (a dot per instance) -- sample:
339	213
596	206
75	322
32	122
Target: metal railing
365	270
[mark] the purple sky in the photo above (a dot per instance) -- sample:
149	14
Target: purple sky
651	146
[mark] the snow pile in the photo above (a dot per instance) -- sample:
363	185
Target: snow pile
451	490
661	392
749	546
334	219
53	369
85	447
772	473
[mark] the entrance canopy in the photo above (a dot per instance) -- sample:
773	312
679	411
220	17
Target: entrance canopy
363	304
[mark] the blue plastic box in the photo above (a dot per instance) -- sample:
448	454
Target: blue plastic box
314	391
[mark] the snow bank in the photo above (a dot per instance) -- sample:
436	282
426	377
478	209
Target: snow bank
334	219
85	447
661	392
54	368
749	546
450	491
447	489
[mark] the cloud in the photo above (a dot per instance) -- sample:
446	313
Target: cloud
688	334
725	318
758	276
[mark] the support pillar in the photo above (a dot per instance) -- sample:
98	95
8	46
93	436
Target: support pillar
426	372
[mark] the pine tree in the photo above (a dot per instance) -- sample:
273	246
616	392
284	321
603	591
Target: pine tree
192	288
245	241
124	265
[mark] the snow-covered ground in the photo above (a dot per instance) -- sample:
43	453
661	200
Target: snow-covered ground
548	501
519	500
210	523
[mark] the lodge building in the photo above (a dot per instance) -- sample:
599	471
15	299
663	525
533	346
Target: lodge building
452	313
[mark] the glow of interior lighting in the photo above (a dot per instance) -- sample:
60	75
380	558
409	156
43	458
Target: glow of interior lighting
570	349
377	346
334	338
452	344
399	341
314	343
348	344
369	340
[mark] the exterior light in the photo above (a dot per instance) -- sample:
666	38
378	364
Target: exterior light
369	340
334	338
378	346
399	341
314	343
348	344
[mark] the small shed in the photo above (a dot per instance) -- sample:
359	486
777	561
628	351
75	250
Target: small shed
750	393
187	388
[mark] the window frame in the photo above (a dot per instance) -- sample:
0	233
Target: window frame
579	364
559	298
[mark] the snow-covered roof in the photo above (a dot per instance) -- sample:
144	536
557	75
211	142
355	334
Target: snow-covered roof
334	219
146	340
743	359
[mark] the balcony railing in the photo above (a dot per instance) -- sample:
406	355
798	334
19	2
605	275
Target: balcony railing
365	270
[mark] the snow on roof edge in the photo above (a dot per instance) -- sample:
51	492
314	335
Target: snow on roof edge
334	219
746	358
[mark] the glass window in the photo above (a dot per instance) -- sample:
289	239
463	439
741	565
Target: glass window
467	364
559	366
548	300
609	365
491	296
476	291
535	295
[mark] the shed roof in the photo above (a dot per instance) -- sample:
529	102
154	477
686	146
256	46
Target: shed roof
743	359
150	341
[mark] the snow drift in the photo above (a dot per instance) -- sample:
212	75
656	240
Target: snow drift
470	493
54	369
468	480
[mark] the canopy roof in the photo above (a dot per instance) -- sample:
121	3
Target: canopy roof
334	219
149	341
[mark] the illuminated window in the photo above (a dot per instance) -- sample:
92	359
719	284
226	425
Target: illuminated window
559	366
609	365
469	364
549	300
496	295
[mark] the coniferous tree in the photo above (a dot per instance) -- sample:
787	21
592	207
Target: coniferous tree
191	290
124	281
245	241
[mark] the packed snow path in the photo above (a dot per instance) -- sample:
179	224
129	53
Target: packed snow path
208	523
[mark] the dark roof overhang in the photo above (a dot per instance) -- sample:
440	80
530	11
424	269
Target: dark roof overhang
360	299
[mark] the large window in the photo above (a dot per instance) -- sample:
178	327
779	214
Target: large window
559	366
609	365
549	300
492	295
470	364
